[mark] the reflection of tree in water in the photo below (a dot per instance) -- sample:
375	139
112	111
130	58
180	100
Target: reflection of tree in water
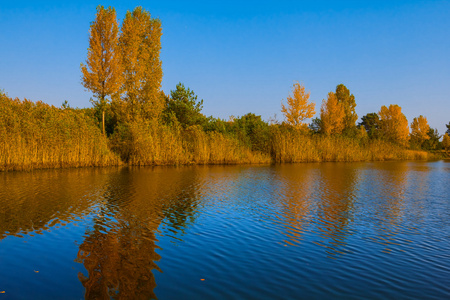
35	201
298	186
335	208
389	184
119	262
179	213
119	252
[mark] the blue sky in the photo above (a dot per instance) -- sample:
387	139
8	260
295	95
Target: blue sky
244	56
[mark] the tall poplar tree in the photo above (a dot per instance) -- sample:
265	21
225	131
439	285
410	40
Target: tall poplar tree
298	106
140	43
102	74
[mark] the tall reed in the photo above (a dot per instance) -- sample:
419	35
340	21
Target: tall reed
146	142
38	135
291	146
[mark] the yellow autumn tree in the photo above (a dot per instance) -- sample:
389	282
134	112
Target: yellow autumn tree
347	101
102	74
298	107
140	43
393	124
332	115
419	130
446	141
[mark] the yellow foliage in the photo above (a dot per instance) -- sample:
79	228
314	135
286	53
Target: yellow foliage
393	124
102	73
38	135
347	101
332	115
146	142
446	141
298	108
140	43
419	129
295	147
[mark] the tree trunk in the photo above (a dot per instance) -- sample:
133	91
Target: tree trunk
103	121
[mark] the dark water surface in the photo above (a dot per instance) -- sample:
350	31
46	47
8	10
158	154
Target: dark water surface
313	231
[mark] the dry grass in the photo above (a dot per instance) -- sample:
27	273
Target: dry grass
37	135
150	143
290	146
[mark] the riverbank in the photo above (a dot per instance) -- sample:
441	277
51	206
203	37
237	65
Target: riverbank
38	135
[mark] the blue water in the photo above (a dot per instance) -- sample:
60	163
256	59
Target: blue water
330	230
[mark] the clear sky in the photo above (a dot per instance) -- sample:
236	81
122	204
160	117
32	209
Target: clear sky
244	56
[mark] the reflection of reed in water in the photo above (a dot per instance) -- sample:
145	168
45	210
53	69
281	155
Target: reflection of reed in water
35	201
119	252
336	205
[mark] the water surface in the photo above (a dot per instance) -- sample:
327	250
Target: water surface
330	230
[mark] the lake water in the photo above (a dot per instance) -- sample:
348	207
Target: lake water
313	231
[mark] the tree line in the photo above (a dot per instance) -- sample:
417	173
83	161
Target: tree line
123	70
338	117
133	121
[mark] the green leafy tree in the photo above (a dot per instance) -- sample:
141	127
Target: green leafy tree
371	123
432	143
216	124
348	102
184	106
316	125
253	131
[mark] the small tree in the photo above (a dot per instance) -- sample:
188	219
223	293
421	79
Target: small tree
316	125
102	73
432	143
298	108
446	141
332	115
347	101
393	124
184	105
371	123
419	131
251	129
448	128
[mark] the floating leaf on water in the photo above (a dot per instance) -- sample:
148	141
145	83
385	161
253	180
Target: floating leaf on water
36	271
202	279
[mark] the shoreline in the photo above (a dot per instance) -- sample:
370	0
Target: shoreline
8	169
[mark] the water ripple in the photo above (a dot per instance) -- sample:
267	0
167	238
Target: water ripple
332	230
